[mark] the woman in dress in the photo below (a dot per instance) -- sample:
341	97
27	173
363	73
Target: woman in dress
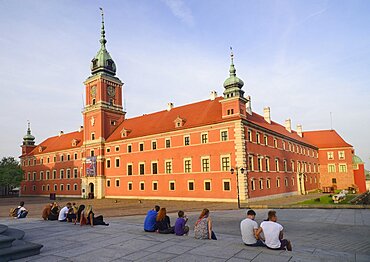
163	224
91	219
203	226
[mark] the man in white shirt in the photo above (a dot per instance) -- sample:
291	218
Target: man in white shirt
248	228
64	212
273	233
22	211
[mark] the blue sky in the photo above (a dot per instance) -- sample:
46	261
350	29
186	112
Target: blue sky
304	59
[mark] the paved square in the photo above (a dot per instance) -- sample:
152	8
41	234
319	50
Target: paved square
316	234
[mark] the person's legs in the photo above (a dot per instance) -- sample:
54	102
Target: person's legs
213	236
285	245
23	214
186	230
259	243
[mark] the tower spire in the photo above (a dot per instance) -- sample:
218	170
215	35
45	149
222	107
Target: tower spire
28	139
103	41
232	67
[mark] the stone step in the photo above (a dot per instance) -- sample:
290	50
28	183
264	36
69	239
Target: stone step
6	241
3	228
14	233
19	249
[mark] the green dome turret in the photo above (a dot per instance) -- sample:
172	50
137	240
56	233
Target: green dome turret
233	85
356	160
103	62
28	139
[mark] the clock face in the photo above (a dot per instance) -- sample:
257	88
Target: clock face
93	91
111	90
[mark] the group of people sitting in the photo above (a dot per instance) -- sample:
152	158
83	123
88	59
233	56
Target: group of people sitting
72	213
156	220
269	234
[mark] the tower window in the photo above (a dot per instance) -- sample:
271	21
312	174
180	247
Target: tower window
111	102
93	101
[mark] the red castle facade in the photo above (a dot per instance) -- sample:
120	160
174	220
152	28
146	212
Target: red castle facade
184	152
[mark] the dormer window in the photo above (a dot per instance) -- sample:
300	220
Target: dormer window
109	64
74	142
41	148
94	63
125	132
179	122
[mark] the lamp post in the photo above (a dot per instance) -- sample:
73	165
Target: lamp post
237	181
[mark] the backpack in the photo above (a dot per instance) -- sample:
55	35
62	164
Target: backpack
14	212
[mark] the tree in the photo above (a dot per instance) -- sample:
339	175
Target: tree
11	174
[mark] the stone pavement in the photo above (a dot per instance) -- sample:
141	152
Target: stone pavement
317	235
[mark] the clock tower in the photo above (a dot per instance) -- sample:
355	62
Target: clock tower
102	114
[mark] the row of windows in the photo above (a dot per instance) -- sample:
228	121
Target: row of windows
341	155
263	164
267	182
54	159
53	174
342	168
55	187
207	185
168	167
280	143
186	142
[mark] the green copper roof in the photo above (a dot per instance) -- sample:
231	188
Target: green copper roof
233	81
103	62
357	160
28	139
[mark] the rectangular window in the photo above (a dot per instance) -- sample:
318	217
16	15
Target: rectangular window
204	138
285	166
68	157
275	143
116	148
267	163
168	167
41	175
186	140
172	185
48	160
250	135
331	168
250	163
108	163
334	180
207	185
168	143
54	174
141	147
47	175
260	183
142	186
129	186
265	140
75	156
61	174
268	183
142	169
92	136
225	163
117	162
259	163
68	173
341	155
187	165
92	153
129	148
330	155
226	185
154	168
253	184
205	164
108	183
191	185
277	165
108	149
117	182
129	169
224	135
155	185
342	168
154	145
258	139
292	165
61	159
286	181
283	145
278	182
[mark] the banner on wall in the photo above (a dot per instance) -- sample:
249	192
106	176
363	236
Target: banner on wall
91	166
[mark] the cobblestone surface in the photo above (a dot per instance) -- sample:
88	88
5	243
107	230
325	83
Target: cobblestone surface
316	234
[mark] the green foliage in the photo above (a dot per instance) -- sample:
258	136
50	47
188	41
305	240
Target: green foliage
11	173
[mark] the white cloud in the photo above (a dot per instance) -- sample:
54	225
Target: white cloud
180	10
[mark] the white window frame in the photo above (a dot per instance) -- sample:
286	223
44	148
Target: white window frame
154	182
174	185
223	185
210	184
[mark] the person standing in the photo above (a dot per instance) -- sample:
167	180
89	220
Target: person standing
180	224
64	212
248	229
273	233
150	219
